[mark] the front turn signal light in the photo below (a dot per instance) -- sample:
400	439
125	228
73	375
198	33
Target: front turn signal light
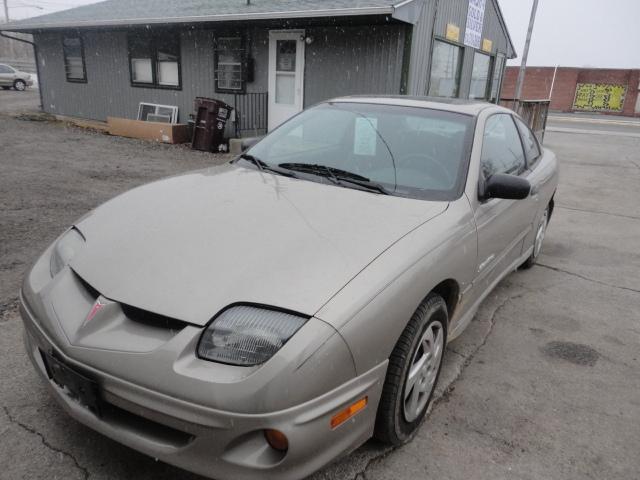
277	440
344	415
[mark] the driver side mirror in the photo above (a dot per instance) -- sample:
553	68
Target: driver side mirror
507	187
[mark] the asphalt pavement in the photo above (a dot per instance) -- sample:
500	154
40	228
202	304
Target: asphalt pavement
544	384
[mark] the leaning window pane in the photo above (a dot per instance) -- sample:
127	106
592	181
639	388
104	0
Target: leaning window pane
480	75
445	70
141	70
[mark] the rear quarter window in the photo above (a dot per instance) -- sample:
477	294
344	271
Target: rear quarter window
532	148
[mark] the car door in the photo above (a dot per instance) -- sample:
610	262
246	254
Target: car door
502	224
7	75
539	173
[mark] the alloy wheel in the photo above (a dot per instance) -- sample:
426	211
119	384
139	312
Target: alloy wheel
423	371
542	230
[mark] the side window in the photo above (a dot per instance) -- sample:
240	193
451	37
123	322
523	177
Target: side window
154	60
501	148
531	146
5	69
74	65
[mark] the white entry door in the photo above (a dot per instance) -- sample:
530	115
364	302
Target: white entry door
286	75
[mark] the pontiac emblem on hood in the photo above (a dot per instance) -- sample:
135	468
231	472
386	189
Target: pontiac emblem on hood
95	309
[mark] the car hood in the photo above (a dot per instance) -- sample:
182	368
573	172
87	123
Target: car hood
188	246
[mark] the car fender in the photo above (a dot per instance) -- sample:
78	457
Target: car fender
372	310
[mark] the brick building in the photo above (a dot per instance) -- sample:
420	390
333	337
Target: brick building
608	91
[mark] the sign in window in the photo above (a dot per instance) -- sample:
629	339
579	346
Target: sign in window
475	23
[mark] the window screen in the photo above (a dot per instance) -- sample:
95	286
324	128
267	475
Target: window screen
229	61
501	148
480	76
445	70
5	69
531	147
74	59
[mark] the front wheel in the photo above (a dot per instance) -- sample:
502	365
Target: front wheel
20	85
414	368
538	241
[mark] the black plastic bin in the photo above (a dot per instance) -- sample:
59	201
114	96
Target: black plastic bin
210	122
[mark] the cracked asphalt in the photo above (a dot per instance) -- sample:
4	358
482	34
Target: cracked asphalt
544	384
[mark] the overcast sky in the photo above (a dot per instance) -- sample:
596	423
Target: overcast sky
573	33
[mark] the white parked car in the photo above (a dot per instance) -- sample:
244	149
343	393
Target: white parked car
11	77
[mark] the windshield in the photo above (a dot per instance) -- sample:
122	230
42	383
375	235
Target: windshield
412	152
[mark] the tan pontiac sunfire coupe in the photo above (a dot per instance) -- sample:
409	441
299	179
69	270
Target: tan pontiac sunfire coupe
258	320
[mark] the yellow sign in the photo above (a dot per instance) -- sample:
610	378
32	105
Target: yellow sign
453	32
596	97
487	45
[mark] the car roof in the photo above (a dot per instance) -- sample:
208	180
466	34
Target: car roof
457	105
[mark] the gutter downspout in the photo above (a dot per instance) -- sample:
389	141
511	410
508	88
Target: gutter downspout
35	54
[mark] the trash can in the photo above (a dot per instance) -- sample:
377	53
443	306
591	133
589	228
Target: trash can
210	121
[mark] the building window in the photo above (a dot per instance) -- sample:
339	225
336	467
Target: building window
496	84
74	66
154	60
481	76
229	64
446	65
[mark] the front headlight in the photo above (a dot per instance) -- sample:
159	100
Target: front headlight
247	336
65	249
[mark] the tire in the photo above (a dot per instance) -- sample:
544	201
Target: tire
401	411
6	88
538	240
20	85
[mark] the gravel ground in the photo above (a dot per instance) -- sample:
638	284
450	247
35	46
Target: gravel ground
545	383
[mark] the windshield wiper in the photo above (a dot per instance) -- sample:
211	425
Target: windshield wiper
338	175
331	172
262	166
368	184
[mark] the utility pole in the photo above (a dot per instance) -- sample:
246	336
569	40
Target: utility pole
525	54
6	10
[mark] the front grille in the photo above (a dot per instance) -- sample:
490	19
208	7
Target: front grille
88	288
149	429
138	315
152	319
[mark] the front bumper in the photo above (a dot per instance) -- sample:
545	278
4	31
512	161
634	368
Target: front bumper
211	441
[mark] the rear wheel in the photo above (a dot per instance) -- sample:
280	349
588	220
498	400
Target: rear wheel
5	88
20	85
414	368
538	241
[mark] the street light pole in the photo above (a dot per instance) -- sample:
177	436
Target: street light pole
525	54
